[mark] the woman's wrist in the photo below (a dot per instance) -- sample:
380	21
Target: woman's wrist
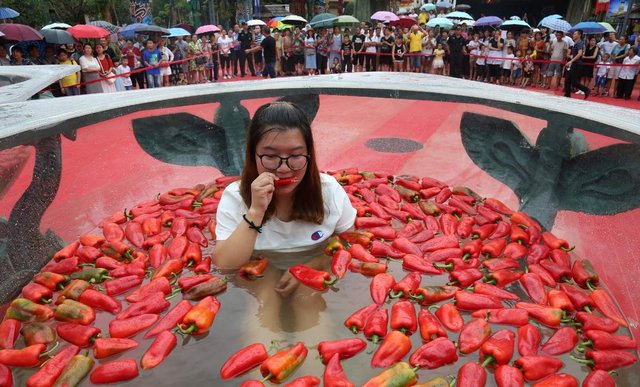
254	215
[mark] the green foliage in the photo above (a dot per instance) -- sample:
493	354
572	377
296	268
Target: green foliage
32	12
37	13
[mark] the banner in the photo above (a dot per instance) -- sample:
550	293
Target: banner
602	6
244	10
618	8
140	11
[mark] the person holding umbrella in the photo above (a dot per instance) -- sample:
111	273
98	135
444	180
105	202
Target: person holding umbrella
69	85
4	59
574	67
17	57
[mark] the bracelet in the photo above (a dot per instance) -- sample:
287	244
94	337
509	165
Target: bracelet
251	224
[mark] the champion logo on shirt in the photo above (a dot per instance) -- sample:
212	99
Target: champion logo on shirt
317	235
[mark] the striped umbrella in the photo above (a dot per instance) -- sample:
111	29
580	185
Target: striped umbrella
106	25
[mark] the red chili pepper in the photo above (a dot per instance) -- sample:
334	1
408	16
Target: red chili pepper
115	371
519	217
497	206
199	319
429	325
74	312
550	317
356	322
303	381
29	356
179	226
388	203
160	284
446	254
52	281
406	246
559	300
601	340
607	306
98	300
495	264
361	254
171	319
403	317
37	293
502	278
368	269
579	299
562	341
9	332
154	303
108	263
384	189
334	375
439	243
471	375
66	266
167	218
418	264
91	240
409	184
498	349
592	322
430	192
177	247
465	227
483	232
428	182
537	253
494	248
502	230
244	361
599	378
473	334
378	211
472	249
432	294
66	252
407	286
76	334
366	194
560	258
450	317
584	274
131	326
380	286
192	256
127	270
514	251
133	232
376	326
457	202
112	232
607	360
186	283
345	348
443	195
254	269
529	338
362	238
532	284
169	269
558	380
159	350
464	278
518	235
494	291
545	276
279	366
434	354
118	250
454	264
315	279
411	229
88	254
506	316
340	263
448	224
508	376
120	285
430	209
471	301
538	367
535	235
204	266
554	242
111	346
392	349
381	249
48	373
195	235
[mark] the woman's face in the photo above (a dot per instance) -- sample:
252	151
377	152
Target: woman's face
283	144
99	49
87	50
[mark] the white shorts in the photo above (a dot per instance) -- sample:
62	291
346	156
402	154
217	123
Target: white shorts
164	71
438	64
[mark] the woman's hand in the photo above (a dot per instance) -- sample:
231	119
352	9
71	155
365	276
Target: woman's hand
262	190
286	285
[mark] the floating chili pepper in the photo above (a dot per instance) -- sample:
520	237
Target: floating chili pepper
537	367
131	326
362	238
448	254
117	250
115	371
51	370
429	208
434	354
280	366
108	263
453	264
502	230
494	248
411	229
29	356
558	272
160	284
401	374
376	326
584	274
156	239
170	268
37	293
450	317
380	287
381	249
74	312
73	290
315	279
369	269
607	306
518	235
345	348
560	257
195	235
472	249
244	361
392	349
92	275
550	317
532	284
406	246
495	264
334	375
432	294
607	360
356	322
562	341
506	316
443	195
473	334
25	310
430	327
52	281
448	224
497	206
361	254
464	278
177	247
418	264
38	333
204	266
88	254
171	319
403	317
9	332
121	285
77	334
340	263
508	376
186	283
255	268
592	322
559	299
554	242
599	378
211	287
91	240
153	304
439	243
66	266
465	227
483	232
498	349
529	338
524	219
77	369
151	227
199	319
514	251
134	234
471	375
537	253
303	381
460	204
601	340
66	252
471	301
379	212
407	286
111	346
159	350
192	256
493	291
546	278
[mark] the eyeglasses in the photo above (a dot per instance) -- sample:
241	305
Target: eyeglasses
294	162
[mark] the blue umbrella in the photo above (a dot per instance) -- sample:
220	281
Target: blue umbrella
177	31
550	17
130	30
428	7
8	13
488	21
515	25
589	27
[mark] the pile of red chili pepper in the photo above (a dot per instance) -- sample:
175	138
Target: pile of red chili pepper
508	284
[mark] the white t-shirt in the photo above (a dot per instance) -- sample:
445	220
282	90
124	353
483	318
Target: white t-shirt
225	44
372	39
607	47
295	235
508	61
126	80
629	71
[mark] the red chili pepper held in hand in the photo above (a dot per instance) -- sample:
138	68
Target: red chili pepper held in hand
315	279
529	338
418	264
592	322
285	181
508	376
111	346
356	322
450	317
562	341
599	378
76	334
403	317
584	274
131	326
433	294
115	371
392	349
601	340
471	301
380	286
254	269
498	349
607	306
279	366
550	317
507	316
473	334
434	354
9	332
376	326
538	367
48	373
471	375
345	348
407	286
368	269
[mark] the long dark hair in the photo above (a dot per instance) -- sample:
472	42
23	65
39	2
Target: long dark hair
282	116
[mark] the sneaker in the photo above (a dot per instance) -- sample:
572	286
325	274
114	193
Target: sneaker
580	92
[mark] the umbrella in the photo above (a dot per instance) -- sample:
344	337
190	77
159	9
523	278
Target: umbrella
442	22
345	20
463	7
468	23
384	16
19	32
106	25
151	29
186	26
515	25
443	4
256	22
492	21
87	31
283	26
57	36
294	19
428	7
550	17
8	13
209	28
177	31
556	25
458	15
275	22
322	20
403	22
515	18
589	27
56	26
1	34
609	27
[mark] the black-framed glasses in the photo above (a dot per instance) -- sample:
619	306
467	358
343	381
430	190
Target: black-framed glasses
294	162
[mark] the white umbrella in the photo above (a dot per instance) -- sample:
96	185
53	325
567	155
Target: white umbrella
294	19
256	22
458	15
556	25
56	26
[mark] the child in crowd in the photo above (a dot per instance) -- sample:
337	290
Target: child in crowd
399	49
507	64
527	69
516	68
602	69
182	80
481	65
438	61
347	48
123	82
336	68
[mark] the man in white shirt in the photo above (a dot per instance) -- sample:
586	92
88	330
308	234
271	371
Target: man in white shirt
371	42
608	45
628	72
559	50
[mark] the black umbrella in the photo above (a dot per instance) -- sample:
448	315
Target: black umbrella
57	37
150	28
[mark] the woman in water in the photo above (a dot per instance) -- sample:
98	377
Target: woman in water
283	208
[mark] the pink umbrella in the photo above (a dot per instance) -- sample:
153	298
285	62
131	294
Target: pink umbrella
19	32
209	28
88	31
384	16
